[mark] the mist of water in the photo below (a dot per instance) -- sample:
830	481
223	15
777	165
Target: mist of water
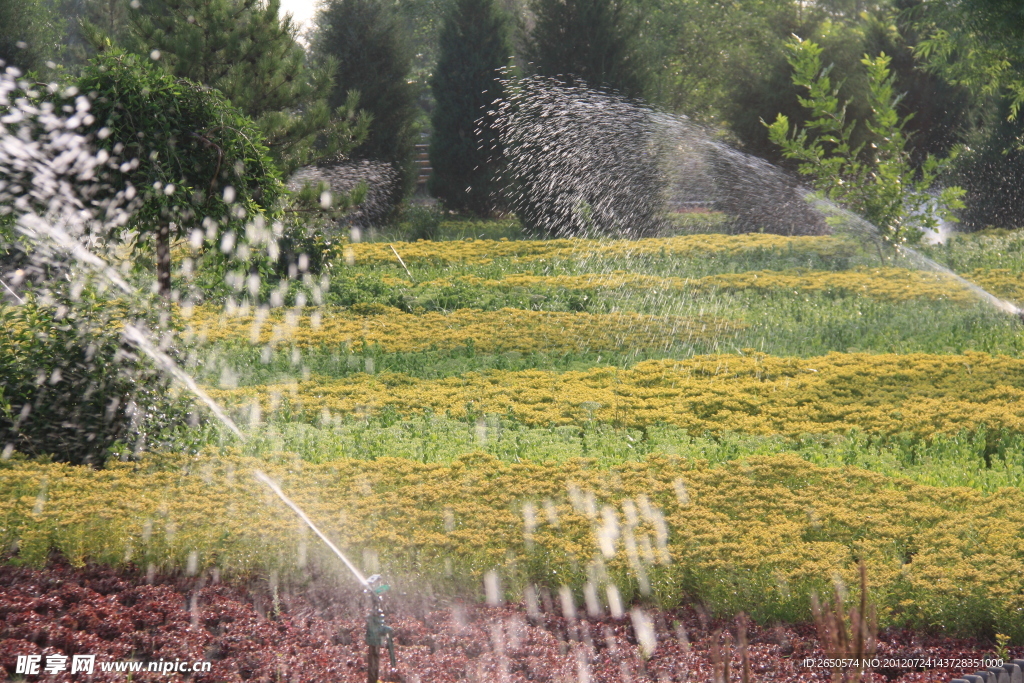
583	162
856	225
586	163
925	263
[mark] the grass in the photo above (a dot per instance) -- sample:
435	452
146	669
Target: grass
986	249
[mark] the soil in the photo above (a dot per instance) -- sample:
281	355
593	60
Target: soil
317	634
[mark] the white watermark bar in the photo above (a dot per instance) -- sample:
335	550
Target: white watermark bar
40	665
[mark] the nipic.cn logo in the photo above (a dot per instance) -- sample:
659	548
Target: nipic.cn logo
35	665
54	664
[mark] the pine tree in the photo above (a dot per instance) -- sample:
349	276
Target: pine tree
592	42
464	152
366	44
245	50
29	33
91	23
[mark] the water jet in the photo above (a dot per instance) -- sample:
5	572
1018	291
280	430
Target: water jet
378	634
583	163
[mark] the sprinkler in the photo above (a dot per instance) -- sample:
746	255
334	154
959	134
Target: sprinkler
378	634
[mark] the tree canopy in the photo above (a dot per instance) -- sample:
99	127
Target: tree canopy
464	149
193	160
978	44
248	52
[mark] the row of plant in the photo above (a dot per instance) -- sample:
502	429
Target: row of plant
778	323
482	252
506	329
885	284
757	535
979	458
638	279
690	255
920	394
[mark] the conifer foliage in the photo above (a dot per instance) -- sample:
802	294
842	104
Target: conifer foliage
366	47
245	50
589	42
464	150
29	33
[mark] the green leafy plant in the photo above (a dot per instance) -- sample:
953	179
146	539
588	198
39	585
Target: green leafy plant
1002	640
73	389
875	179
196	157
422	223
976	44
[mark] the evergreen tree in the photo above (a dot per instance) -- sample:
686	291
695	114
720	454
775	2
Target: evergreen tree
595	42
108	16
91	23
29	33
245	50
464	151
366	45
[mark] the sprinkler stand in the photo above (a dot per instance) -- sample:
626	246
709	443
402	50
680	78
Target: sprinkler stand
377	633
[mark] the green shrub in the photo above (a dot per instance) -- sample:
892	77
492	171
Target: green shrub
73	389
876	181
422	223
201	158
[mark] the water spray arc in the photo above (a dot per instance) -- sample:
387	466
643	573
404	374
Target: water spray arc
854	224
378	634
167	364
36	228
587	163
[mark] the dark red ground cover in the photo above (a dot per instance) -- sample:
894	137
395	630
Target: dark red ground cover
315	634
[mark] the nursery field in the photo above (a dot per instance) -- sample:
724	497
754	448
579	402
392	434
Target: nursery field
722	423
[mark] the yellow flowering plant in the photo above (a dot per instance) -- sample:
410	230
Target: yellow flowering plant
757	534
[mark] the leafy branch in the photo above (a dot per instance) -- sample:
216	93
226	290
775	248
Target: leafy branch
875	179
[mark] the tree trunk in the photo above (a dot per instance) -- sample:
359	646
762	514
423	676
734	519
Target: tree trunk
163	260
